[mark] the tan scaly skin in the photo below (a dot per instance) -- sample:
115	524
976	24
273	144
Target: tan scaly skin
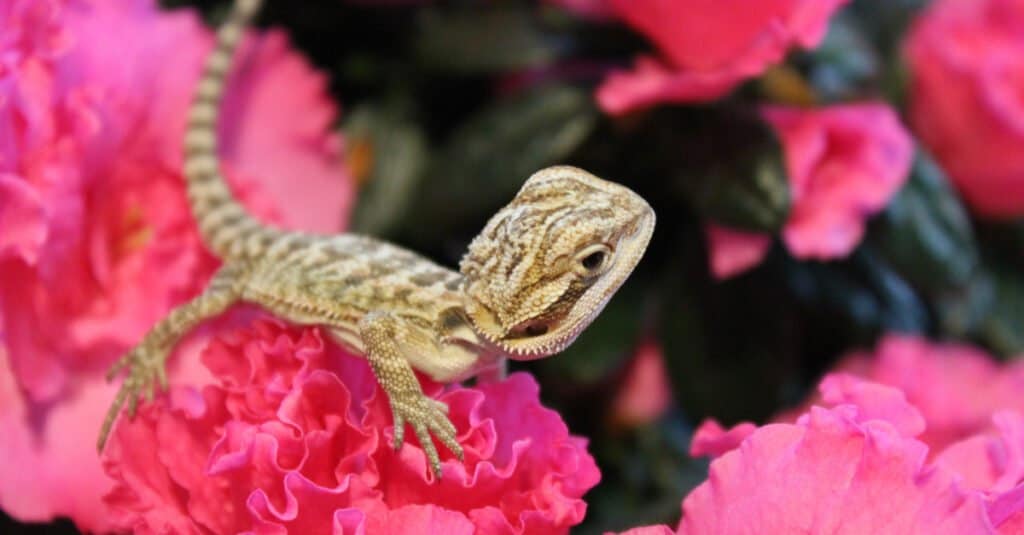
532	280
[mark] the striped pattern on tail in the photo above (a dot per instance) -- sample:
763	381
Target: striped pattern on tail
226	227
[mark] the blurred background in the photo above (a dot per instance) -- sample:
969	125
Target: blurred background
448	106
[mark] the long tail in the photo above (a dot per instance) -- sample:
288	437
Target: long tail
226	227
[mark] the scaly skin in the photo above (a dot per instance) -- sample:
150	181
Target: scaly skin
532	280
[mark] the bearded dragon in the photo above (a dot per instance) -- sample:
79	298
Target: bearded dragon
540	271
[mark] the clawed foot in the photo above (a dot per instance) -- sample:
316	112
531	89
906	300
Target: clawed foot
426	416
146	374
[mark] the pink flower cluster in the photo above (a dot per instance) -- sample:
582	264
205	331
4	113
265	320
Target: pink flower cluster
294	436
844	164
706	47
917	438
98	242
967	75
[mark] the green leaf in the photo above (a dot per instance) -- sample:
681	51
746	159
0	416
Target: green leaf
391	152
845	65
925	232
1003	329
482	39
727	344
488	158
732	172
990	309
863	289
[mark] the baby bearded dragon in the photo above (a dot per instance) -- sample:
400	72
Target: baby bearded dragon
540	271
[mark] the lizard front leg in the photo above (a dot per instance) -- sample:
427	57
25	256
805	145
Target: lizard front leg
146	361
385	337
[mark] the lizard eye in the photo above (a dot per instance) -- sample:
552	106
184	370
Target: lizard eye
592	260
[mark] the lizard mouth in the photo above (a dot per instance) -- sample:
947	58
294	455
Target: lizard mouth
540	339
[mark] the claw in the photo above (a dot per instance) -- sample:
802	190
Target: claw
428	448
133	400
118	366
145	378
426	416
161	377
108	421
399	429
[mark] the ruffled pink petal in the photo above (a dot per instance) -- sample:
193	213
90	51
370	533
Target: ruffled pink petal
874	402
732	252
421	519
991	462
294	436
830	473
957	388
713	440
97	238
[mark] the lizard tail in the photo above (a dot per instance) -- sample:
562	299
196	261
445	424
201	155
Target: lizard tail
225	225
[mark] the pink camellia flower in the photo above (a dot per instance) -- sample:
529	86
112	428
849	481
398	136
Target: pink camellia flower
844	164
96	238
855	466
967	74
706	47
295	436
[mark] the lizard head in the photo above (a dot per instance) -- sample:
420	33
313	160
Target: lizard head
546	264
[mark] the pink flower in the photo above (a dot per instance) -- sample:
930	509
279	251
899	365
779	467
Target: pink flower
834	471
856	467
645	393
967	74
956	387
97	242
296	435
706	47
844	164
915	437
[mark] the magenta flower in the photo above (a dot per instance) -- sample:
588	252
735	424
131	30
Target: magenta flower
295	435
967	74
705	47
96	238
937	448
855	467
837	470
957	388
844	164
